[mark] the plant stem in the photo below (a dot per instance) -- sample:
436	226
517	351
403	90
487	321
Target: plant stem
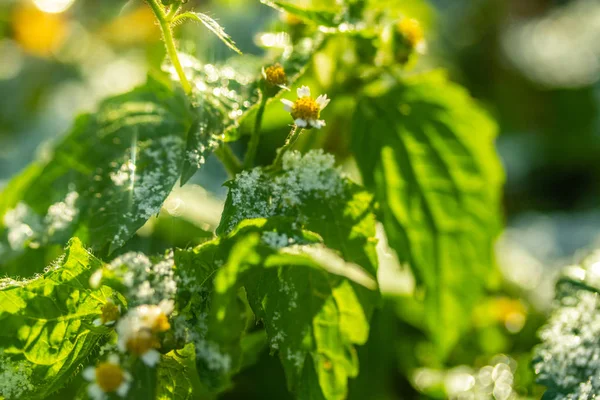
255	138
165	27
230	161
289	143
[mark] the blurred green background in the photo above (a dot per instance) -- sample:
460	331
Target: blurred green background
534	64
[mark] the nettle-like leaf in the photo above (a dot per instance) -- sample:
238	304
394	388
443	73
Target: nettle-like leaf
227	97
314	304
427	150
46	326
315	342
325	17
106	178
212	26
567	360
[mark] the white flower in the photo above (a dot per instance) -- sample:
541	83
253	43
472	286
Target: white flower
107	377
137	331
306	111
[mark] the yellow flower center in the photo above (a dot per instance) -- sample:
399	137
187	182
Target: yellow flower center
411	30
161	323
306	108
275	75
110	312
109	377
142	342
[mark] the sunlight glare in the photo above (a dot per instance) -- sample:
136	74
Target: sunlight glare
53	6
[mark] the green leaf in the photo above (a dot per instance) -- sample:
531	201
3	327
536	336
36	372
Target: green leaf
173	378
314	306
212	26
106	177
311	195
46	322
324	17
427	150
565	361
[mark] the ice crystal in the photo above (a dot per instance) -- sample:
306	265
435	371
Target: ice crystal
256	194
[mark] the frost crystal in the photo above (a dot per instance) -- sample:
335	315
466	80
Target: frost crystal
15	378
255	194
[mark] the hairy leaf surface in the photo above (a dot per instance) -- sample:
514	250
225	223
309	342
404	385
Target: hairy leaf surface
106	177
47	321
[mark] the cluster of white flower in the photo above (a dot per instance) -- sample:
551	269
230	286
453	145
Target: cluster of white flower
24	226
62	214
15	378
255	194
570	352
277	240
148	282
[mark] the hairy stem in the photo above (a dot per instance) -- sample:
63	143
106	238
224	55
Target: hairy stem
165	26
289	143
255	138
230	161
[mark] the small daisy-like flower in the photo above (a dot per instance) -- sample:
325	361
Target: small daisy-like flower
275	75
138	330
411	31
107	377
110	314
156	317
306	110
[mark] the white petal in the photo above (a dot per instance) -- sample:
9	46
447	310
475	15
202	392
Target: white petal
89	374
113	359
287	105
151	357
304	91
121	344
97	322
322	101
301	123
166	306
317	123
123	389
127	376
421	47
109	323
95	392
95	279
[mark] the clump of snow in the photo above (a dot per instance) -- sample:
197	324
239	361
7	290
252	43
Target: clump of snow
15	378
257	194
